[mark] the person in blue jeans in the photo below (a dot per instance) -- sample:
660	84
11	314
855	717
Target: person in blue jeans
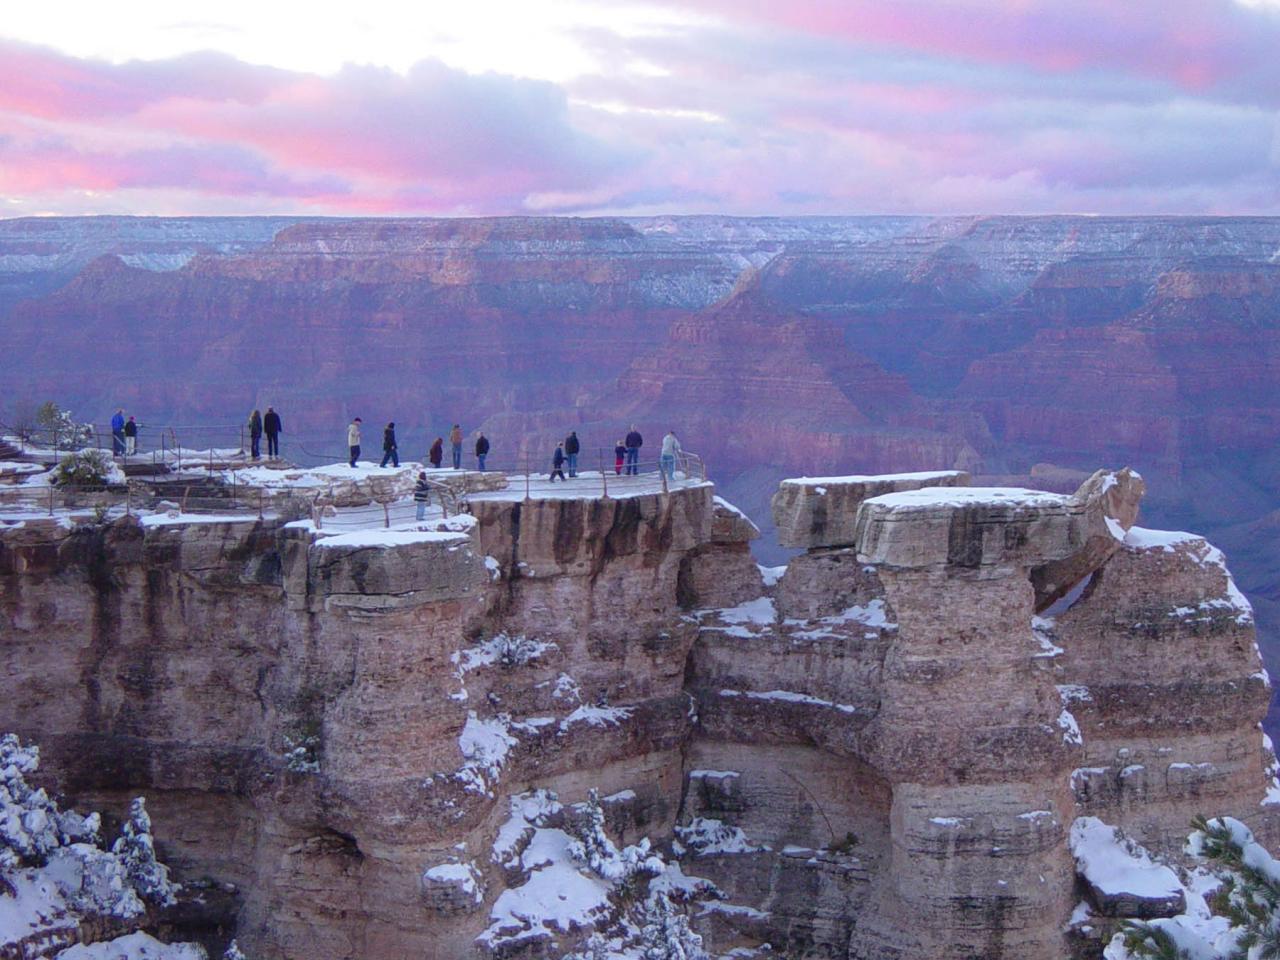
117	433
670	450
455	438
571	448
482	450
422	495
634	442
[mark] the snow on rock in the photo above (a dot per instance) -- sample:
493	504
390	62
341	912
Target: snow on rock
602	716
790	696
706	836
771	575
379	537
1123	879
1140	538
135	946
453	886
485	745
1272	796
873	478
928	497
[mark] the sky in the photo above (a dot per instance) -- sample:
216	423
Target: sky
744	107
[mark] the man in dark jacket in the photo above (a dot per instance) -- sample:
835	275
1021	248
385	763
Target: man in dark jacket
255	434
131	437
272	428
482	450
634	443
389	451
422	495
557	463
571	448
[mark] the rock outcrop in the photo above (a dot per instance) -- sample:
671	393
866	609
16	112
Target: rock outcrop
504	730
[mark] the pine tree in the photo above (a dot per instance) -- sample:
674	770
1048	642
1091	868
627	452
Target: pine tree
666	934
591	846
136	850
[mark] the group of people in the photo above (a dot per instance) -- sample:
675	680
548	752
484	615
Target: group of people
391	446
124	435
626	455
270	425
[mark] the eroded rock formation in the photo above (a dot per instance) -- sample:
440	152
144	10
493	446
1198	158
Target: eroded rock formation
390	741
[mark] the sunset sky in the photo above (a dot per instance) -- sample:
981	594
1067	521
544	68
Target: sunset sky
711	106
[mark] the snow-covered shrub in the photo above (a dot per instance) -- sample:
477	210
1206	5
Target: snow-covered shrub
64	432
137	851
1245	907
28	817
666	934
233	952
592	848
302	755
84	468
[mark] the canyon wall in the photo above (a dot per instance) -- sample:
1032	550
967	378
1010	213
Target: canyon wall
386	740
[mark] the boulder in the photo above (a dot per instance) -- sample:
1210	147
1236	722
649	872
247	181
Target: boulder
1111	500
814	512
971	528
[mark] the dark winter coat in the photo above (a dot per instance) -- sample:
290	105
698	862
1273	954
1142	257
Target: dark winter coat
558	459
619	452
422	492
271	423
482	447
436	454
117	423
131	429
571	444
255	424
634	440
389	439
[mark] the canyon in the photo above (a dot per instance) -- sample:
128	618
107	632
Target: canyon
557	716
1022	349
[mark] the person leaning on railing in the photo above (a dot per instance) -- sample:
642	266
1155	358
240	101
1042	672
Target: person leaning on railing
422	495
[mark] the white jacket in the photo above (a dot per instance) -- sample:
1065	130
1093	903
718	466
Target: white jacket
353	435
670	445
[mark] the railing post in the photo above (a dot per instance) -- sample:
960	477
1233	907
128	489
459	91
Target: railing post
128	500
526	476
51	499
186	492
604	477
386	514
259	503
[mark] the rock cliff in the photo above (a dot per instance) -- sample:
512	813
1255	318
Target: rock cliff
557	717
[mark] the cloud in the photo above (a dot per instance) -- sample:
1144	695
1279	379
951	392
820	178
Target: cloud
751	107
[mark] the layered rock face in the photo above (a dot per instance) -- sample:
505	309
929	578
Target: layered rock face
387	740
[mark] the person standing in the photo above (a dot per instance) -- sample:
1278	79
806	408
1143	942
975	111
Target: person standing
455	439
557	463
130	437
255	434
634	443
389	449
571	448
353	439
670	450
619	457
422	495
117	433
482	450
272	427
437	453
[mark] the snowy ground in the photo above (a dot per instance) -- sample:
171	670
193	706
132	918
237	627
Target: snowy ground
586	486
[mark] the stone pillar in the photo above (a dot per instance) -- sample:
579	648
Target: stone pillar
971	732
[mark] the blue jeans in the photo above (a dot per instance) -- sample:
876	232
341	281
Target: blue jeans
669	466
457	456
573	464
480	457
117	442
422	509
255	443
355	454
633	460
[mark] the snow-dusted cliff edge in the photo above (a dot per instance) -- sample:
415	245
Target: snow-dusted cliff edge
595	717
